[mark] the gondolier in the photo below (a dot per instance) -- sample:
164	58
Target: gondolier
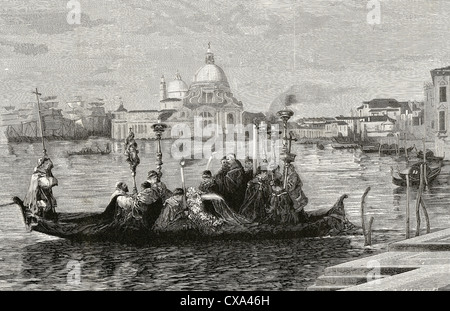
39	199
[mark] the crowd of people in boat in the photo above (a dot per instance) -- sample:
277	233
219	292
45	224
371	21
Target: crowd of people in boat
234	196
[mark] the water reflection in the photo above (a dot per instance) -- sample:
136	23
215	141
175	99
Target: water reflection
264	265
86	183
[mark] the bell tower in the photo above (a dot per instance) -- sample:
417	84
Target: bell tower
162	89
209	59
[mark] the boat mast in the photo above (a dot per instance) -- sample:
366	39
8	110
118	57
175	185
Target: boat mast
40	121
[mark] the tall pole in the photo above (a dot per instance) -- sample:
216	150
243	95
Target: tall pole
285	115
255	147
424	151
40	121
159	128
133	159
183	184
407	206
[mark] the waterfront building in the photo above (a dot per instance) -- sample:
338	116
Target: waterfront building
321	128
392	117
376	126
437	97
208	100
380	107
411	120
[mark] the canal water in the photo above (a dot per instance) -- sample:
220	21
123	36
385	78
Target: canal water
33	261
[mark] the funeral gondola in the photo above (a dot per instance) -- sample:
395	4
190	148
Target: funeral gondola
90	227
144	216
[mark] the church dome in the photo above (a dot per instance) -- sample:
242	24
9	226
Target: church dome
210	72
176	88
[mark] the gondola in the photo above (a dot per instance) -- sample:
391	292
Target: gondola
344	146
116	224
399	178
429	156
101	227
89	151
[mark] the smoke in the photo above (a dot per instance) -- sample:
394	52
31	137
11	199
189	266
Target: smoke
290	99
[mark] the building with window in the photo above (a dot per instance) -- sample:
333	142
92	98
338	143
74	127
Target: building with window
381	107
437	94
208	100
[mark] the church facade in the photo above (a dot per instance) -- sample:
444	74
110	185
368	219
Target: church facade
208	100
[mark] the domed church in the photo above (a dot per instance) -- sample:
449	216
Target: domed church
209	97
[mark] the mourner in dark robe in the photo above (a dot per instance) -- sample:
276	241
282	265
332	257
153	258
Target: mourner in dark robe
174	214
257	197
281	207
220	176
275	172
121	189
248	170
143	208
208	183
234	186
39	199
294	188
216	205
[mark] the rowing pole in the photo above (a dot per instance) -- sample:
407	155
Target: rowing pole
6	204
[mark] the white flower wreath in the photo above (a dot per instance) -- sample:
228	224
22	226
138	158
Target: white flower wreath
197	212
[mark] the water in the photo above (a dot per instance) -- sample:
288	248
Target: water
33	261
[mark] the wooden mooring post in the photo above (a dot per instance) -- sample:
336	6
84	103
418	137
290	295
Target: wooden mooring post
407	205
367	232
421	202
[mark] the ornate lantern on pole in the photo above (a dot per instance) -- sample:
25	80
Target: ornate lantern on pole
132	156
287	156
159	128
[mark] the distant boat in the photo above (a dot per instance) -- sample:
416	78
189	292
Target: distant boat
399	178
90	151
320	146
429	156
344	146
370	148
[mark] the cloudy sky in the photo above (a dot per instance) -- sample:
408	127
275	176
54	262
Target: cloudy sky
324	49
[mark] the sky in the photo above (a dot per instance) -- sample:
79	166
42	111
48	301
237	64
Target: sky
325	50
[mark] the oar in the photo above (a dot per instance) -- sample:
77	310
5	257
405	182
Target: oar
7	204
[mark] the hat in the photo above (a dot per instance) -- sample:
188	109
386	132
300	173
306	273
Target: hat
206	173
121	185
42	160
152	173
178	191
